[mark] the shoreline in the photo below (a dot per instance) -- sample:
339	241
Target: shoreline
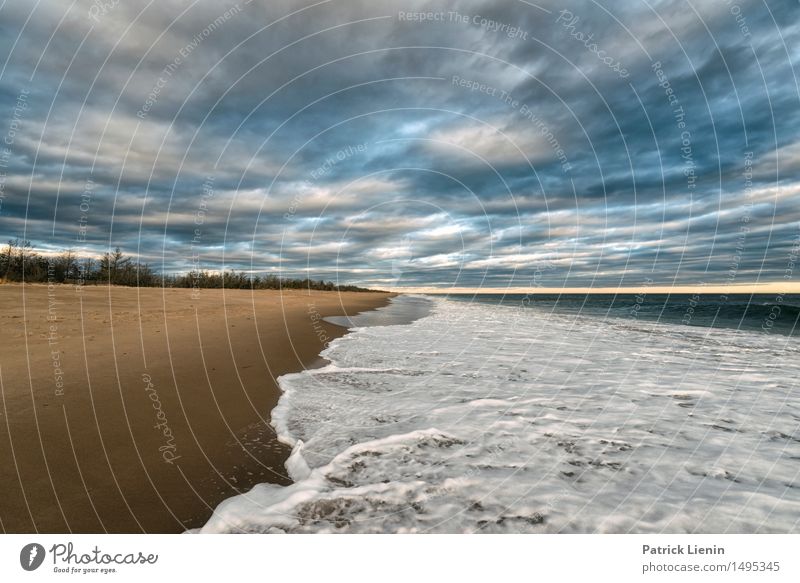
128	410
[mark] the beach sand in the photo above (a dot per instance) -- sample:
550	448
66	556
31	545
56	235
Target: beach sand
139	410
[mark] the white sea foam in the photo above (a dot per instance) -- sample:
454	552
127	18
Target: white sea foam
497	419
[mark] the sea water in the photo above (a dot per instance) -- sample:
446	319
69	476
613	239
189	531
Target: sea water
497	414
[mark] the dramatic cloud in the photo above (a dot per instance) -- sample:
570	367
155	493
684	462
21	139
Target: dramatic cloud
409	143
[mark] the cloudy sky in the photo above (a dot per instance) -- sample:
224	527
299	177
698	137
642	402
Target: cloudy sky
506	143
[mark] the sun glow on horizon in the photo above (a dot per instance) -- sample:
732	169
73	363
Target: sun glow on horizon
777	288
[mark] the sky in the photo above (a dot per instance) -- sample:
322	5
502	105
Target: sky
409	144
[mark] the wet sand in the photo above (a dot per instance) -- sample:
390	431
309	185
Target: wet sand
139	410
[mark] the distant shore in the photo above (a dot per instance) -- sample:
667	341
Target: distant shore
140	409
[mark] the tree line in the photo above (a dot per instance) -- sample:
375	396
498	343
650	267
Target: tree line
20	262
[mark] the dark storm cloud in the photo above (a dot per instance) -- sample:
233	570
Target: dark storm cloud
478	144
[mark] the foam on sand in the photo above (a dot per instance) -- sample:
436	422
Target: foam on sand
496	419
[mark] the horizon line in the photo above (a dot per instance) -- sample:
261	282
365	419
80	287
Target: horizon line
778	288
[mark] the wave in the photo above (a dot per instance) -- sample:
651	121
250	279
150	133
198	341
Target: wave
480	418
765	316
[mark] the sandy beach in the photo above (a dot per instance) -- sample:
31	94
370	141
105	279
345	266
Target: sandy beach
139	410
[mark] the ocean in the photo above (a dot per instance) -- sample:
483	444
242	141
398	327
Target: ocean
517	414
